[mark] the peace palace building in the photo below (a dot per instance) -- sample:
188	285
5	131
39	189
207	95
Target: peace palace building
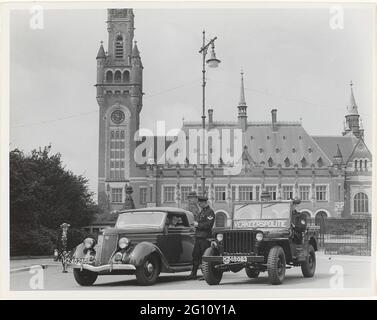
330	174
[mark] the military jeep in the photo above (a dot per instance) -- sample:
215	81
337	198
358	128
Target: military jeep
265	236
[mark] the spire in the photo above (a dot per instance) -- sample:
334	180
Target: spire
242	92
101	52
352	107
135	51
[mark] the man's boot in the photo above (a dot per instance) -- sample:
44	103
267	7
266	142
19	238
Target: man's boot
193	272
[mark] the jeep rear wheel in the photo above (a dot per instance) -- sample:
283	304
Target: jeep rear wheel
147	273
84	277
276	264
308	266
212	275
252	272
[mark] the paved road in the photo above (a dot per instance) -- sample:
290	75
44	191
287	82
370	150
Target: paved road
356	274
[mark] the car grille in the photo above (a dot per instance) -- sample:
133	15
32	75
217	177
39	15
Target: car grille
109	245
238	242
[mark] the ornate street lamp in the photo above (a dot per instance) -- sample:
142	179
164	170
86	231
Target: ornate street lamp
212	62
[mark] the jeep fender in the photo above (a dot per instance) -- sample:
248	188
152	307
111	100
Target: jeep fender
313	242
284	243
144	249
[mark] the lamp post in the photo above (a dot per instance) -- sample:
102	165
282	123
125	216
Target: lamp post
212	62
64	226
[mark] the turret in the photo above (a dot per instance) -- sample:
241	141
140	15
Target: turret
352	116
101	57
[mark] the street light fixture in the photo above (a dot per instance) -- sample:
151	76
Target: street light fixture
212	62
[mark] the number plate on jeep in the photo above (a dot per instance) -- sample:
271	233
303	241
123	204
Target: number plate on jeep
228	259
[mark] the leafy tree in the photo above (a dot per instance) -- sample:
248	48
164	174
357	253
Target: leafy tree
43	194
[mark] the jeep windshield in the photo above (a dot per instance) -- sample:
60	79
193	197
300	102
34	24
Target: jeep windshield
137	219
262	215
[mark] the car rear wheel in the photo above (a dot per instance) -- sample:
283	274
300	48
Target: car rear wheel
252	272
212	275
148	272
308	267
276	264
84	277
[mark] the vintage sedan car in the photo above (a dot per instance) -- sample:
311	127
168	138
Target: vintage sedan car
265	236
143	242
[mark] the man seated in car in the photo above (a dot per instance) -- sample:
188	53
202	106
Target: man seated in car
174	221
299	222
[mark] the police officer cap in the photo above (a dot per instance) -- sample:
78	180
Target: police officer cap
202	198
296	201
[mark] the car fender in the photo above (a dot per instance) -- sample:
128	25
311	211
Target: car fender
144	249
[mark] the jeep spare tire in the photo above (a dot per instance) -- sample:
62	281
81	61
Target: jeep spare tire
211	275
308	266
276	265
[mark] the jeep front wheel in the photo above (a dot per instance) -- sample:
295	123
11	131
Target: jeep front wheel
276	264
308	266
252	273
147	273
84	277
212	275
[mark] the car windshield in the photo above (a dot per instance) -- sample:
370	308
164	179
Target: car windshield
140	219
262	215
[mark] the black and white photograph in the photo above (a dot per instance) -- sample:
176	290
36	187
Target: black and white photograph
170	148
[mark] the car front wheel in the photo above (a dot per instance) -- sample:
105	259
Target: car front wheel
308	266
84	277
147	273
212	275
276	264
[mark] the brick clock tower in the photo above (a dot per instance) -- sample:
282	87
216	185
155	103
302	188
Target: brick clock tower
119	96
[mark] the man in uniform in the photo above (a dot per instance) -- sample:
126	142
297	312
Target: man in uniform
203	225
298	222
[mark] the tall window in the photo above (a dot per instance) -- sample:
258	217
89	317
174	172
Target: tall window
109	76
117	154
321	193
143	195
366	164
304	193
360	203
272	191
185	190
245	193
233	193
169	194
117	76
287	192
126	76
116	195
119	47
220	193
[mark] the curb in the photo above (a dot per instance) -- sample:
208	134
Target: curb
43	266
30	257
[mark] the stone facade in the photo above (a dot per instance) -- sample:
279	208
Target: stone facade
330	174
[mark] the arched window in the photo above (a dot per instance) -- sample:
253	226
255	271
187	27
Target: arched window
360	203
117	76
270	162
109	76
119	47
126	76
287	162
355	165
320	162
220	220
361	164
366	164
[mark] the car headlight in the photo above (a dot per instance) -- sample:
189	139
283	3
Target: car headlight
89	243
220	237
259	236
123	243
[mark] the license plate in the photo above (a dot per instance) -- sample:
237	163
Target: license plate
228	259
81	261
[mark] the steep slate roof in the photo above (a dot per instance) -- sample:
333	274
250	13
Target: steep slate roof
329	145
289	141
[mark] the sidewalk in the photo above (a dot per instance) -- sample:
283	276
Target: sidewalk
339	257
19	264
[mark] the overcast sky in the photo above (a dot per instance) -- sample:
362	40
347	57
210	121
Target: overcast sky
292	60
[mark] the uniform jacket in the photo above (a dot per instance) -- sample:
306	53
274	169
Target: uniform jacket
206	219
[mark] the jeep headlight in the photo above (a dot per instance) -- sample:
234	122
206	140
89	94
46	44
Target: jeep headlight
259	236
123	243
89	243
220	237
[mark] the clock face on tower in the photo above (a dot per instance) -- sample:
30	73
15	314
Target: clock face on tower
117	116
